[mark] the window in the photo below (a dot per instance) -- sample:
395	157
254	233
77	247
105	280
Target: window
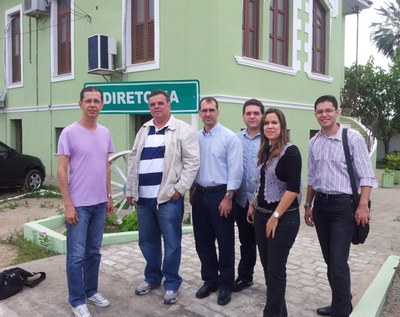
278	32
142	29
141	35
64	36
251	28
62	40
319	38
16	47
13	47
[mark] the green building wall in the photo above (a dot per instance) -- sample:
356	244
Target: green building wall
199	39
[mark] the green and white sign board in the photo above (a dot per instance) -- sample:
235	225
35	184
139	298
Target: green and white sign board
133	97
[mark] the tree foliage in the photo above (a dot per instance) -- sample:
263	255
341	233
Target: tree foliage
373	94
386	34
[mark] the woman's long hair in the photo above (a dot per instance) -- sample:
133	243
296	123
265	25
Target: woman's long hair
265	145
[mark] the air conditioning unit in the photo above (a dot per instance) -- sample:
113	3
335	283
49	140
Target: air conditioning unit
102	51
36	8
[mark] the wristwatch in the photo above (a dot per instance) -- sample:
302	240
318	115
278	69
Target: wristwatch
229	196
307	205
276	214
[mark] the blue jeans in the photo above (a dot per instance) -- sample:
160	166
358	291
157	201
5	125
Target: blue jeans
83	252
208	226
274	253
165	221
334	220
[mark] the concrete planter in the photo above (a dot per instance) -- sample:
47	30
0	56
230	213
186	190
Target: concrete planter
58	242
387	180
396	177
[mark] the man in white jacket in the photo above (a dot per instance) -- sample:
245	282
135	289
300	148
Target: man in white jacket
163	164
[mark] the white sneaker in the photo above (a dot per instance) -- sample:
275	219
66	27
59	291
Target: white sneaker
81	311
99	300
170	297
144	288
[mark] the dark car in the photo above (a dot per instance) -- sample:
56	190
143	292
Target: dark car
20	170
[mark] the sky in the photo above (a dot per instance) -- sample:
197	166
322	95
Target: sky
365	46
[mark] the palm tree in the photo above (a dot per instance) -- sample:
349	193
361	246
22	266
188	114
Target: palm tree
386	34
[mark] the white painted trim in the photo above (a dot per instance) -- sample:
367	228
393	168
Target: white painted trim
239	100
41	108
8	46
246	61
296	42
320	77
127	42
55	77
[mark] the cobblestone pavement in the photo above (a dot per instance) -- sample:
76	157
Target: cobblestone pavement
307	288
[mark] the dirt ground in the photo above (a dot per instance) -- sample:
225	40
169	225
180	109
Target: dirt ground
392	306
13	215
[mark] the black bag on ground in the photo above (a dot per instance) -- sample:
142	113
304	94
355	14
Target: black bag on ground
13	280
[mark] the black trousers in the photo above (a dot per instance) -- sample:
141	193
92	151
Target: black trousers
334	220
274	253
209	226
247	238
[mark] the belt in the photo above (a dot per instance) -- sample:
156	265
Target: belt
333	196
267	211
212	189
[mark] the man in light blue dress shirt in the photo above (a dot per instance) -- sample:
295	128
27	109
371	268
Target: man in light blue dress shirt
219	176
253	110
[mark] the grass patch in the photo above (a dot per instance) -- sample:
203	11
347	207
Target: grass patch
27	250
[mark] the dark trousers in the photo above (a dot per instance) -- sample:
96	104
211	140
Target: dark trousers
209	226
247	238
334	219
274	253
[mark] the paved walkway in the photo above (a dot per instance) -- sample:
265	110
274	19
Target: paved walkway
307	288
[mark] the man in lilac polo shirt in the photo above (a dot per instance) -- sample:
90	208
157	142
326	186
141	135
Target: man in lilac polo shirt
84	147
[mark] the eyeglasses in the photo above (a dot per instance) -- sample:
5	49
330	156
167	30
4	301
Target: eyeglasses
327	111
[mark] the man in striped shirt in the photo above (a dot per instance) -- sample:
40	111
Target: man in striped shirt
329	186
163	164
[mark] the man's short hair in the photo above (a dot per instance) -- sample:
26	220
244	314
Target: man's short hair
253	102
328	98
160	92
208	100
90	88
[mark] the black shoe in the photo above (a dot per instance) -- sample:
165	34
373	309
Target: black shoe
324	311
327	311
205	290
240	285
224	297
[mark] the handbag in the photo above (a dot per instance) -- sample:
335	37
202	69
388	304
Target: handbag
13	280
360	232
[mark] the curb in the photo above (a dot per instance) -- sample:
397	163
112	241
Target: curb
374	298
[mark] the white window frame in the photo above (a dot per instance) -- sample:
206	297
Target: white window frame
8	47
295	65
55	77
332	12
127	41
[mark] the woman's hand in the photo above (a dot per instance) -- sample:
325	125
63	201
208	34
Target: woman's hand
270	227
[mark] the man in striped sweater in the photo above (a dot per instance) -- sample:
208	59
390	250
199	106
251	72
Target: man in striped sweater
163	164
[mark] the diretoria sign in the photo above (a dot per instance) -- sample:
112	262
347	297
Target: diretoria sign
133	97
